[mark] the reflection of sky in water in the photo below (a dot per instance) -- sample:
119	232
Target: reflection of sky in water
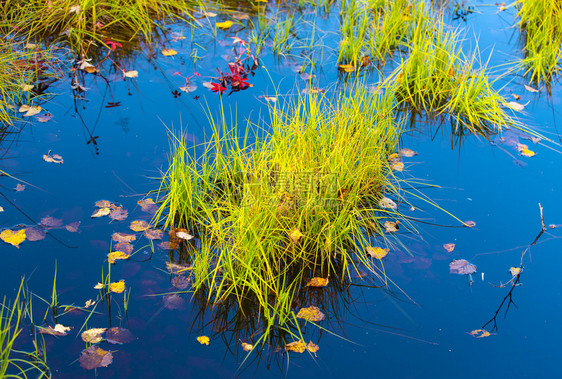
391	336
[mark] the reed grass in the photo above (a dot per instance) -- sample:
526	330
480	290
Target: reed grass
540	22
300	202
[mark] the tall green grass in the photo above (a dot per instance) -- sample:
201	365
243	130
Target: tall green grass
540	22
302	201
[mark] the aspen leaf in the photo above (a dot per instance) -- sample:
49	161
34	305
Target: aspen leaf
124	247
123	237
115	255
317	282
153	234
311	313
377	252
397	166
118	214
100	212
169	52
117	287
391	226
346	67
203	340
387	203
224	25
95	357
480	333
300	347
59	330
93	335
407	153
117	335
462	267
139	226
449	247
103	204
148	205
13	238
98	286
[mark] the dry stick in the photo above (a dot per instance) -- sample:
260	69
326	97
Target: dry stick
515	283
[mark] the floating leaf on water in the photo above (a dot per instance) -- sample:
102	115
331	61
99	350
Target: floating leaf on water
148	205
311	313
515	106
295	235
124	247
208	14
203	340
169	52
168	245
131	74
139	226
530	89
397	166
271	99
470	224
449	247
387	203
51	222
312	91
184	235
26	87
13	238
240	16
19	187
224	25
300	347
117	287
365	61
394	157
1	209
461	266
317	282
94	357
89	303
175	268
30	110
103	204
346	67
100	212
247	346
123	237
115	255
59	330
391	226
174	301
180	282
33	233
55	158
117	335
154	234
312	347
515	96
118	214
93	335
377	252
480	333
515	271
188	88
98	286
407	153
524	150
73	227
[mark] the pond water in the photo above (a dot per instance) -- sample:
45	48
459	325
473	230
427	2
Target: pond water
421	332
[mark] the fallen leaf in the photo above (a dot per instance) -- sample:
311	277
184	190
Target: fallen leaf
94	357
118	214
131	74
180	282
59	330
19	187
98	286
365	61
312	347
391	226
241	16
295	235
377	252
470	224
203	340
33	233
139	226
93	335
407	153
515	271
100	212
117	287
311	313
247	346
224	25
26	87
124	247
115	255
312	91
174	301
148	205
296	346
175	268
123	237
188	88
208	14
530	89
169	52
346	67
524	150
449	247
1	209
13	238
515	106
480	333
516	96
184	235
271	99
30	110
103	204
397	166
387	203
317	282
73	227
306	76
51	222
117	335
462	267
154	234
167	245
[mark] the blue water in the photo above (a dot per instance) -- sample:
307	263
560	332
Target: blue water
378	334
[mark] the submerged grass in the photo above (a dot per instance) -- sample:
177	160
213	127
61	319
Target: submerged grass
302	202
540	22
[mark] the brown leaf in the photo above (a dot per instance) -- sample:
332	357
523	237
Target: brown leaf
118	335
123	237
35	234
124	247
461	266
103	204
118	214
154	234
317	282
180	282
19	187
391	226
148	205
94	357
311	313
139	226
73	227
449	247
174	301
51	222
168	245
175	268
387	203
407	153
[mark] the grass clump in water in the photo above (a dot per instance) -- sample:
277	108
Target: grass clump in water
303	202
540	22
438	79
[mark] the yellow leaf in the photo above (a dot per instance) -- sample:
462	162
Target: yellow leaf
117	287
480	333
527	153
347	67
203	340
312	347
247	346
397	166
295	235
317	282
113	256
394	157
169	52
93	335
311	313
449	247
58	330
13	238
139	226
391	226
98	286
101	212
224	25
377	252
515	271
296	346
